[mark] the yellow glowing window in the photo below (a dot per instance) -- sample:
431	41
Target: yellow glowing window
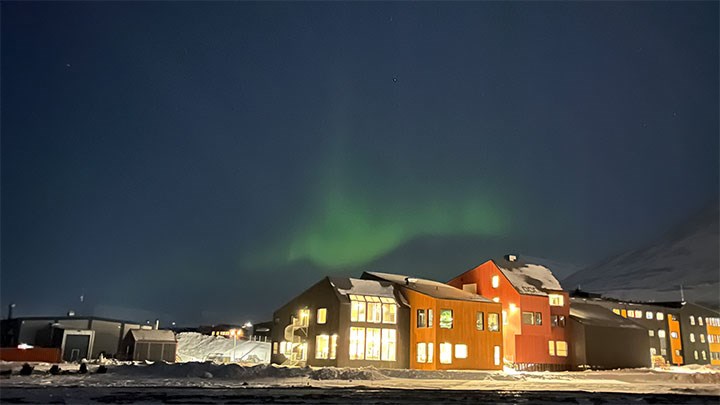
389	313
386	300
275	347
446	353
372	344
623	313
374	312
616	311
692	320
556	300
493	322
322	346
505	317
389	344
430	353
702	338
357	311
561	348
422	352
551	347
357	343
659	316
333	347
321	316
446	319
304	317
495	280
648	315
461	351
496	355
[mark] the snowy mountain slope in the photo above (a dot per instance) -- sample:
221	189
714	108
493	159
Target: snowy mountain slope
687	256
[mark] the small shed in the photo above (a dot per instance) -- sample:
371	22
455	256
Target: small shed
150	344
603	340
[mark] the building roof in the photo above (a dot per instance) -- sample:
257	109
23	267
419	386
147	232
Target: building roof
596	315
153	335
356	286
431	288
69	318
528	278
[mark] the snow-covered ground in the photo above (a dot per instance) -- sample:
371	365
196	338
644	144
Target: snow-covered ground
198	347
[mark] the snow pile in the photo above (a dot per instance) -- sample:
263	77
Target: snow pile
198	347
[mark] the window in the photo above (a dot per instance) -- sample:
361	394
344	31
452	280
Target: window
495	280
357	311
631	313
702	338
322	346
496	299
704	355
561	321
528	318
700	321
553	320
551	347
648	315
282	347
389	344
430	318
445	353
623	313
561	348
692	337
304	317
480	320
333	347
556	300
538	318
674	335
275	347
446	319
470	288
616	311
389	313
374	311
461	351
421	318
659	316
505	317
692	320
653	351
493	322
496	355
661	333
372	344
638	314
357	343
321	316
422	352
431	346
695	354
651	332
673	317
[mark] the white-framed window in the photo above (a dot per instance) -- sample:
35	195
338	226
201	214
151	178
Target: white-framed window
420	318
659	316
430	317
389	344
372	344
495	281
357	343
389	313
430	349
461	351
692	320
648	315
480	320
561	348
374	312
496	355
704	355
357	310
304	317
528	318
651	332
422	352
493	322
470	288
661	333
692	337
702	338
700	321
333	347
322	346
446	353
556	300
695	354
631	313
551	347
321	316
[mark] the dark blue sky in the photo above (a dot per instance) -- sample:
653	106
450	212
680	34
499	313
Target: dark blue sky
206	161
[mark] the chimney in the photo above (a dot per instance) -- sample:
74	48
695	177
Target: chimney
10	310
157	324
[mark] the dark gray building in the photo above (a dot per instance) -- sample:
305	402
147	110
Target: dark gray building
149	344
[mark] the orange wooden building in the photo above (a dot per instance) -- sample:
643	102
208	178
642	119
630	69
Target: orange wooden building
535	310
450	329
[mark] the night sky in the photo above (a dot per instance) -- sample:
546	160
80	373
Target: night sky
205	162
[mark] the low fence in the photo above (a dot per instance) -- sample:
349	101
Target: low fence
40	354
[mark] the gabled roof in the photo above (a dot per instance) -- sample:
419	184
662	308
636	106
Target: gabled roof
153	335
528	278
356	286
596	315
431	288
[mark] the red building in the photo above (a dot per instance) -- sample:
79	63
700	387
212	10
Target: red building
535	310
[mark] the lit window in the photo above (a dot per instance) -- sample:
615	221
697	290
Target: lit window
651	332
445	353
333	347
495	281
496	355
692	336
638	314
472	288
551	347
430	318
480	320
695	354
561	321
275	347
692	320
561	348
446	319
421	318
282	347
389	313
496	299
648	315
556	300
304	317
357	343
461	351
702	338
374	312
505	317
674	335
557	321
700	321
430	358
538	318
322	346
321	316
653	351
616	311
422	353
528	318
704	356
372	345
389	344
357	311
661	333
631	313
493	322
659	316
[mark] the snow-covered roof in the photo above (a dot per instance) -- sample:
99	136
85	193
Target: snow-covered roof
155	335
355	286
595	315
528	278
431	288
